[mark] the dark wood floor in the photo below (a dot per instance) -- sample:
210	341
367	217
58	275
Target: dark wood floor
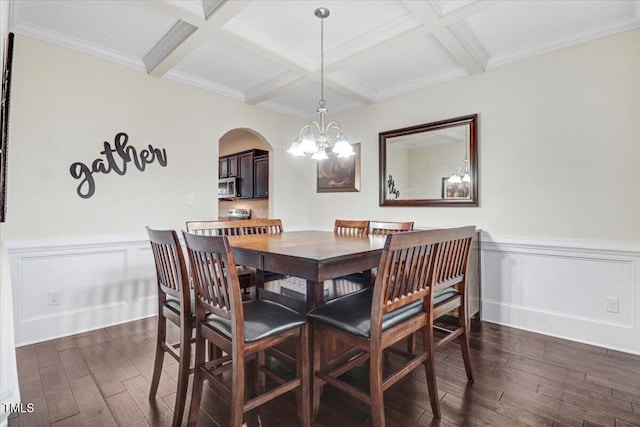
101	378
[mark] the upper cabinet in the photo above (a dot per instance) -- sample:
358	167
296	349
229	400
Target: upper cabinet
228	166
251	167
261	177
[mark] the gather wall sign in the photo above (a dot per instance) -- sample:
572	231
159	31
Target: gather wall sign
115	159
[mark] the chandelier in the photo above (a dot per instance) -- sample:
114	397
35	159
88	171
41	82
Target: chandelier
317	137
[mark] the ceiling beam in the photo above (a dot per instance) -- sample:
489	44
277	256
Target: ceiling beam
426	14
281	83
170	51
274	87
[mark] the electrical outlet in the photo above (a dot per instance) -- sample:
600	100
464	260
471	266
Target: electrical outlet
613	305
54	298
191	199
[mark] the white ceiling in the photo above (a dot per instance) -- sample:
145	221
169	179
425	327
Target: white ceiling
267	52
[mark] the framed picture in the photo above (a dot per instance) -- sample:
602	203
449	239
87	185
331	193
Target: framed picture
4	122
339	174
454	191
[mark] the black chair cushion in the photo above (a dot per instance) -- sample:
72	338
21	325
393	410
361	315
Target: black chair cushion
262	319
352	313
174	304
443	295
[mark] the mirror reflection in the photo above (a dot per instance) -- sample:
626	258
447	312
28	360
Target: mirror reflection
431	164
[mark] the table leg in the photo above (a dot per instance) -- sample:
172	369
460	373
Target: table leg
368	278
315	294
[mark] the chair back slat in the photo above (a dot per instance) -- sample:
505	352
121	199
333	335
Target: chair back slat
404	270
216	284
235	227
382	228
214	228
171	271
451	264
262	226
350	227
415	264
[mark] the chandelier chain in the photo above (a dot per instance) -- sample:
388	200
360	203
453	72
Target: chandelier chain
322	101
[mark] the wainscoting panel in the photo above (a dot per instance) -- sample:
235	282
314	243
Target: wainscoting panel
62	288
563	288
549	286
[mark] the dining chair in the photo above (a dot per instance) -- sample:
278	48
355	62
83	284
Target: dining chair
241	330
350	227
174	305
248	276
416	276
382	228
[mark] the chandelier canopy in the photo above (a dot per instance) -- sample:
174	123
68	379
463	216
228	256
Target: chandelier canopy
316	137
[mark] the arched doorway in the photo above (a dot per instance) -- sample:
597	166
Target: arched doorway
239	141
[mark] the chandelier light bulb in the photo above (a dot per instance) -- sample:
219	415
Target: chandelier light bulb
295	149
320	155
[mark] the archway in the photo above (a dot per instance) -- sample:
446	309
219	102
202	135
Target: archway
237	141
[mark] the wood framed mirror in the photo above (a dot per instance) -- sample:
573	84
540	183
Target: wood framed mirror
434	164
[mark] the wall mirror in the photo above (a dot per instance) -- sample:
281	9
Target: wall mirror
434	164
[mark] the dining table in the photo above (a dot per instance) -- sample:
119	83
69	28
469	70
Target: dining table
314	256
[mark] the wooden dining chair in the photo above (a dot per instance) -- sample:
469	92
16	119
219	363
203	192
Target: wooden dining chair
382	228
413	266
262	226
350	227
242	331
248	276
174	305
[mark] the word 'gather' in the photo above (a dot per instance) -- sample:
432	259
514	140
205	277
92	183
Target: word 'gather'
115	160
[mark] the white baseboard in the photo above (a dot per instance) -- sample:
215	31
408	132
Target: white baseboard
560	288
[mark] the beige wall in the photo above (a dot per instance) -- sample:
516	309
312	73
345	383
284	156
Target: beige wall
66	104
559	138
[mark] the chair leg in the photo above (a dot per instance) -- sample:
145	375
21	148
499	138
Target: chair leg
261	381
411	343
159	359
319	363
237	389
198	381
183	374
430	369
375	387
464	342
303	367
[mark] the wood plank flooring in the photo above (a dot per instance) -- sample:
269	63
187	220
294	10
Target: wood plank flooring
101	378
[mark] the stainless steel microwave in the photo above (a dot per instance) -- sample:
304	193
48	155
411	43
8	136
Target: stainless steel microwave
228	188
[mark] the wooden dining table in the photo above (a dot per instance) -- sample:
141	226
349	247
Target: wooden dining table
314	256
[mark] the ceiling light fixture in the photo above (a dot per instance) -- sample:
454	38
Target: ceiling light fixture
462	174
316	137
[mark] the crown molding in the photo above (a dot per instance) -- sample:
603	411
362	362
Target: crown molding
371	39
201	83
422	83
561	42
63	40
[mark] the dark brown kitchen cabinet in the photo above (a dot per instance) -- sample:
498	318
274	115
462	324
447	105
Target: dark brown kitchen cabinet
251	167
245	169
228	166
261	177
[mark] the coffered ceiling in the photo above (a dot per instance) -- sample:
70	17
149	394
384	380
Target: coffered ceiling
267	52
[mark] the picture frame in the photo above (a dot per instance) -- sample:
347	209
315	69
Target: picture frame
455	191
4	122
336	175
